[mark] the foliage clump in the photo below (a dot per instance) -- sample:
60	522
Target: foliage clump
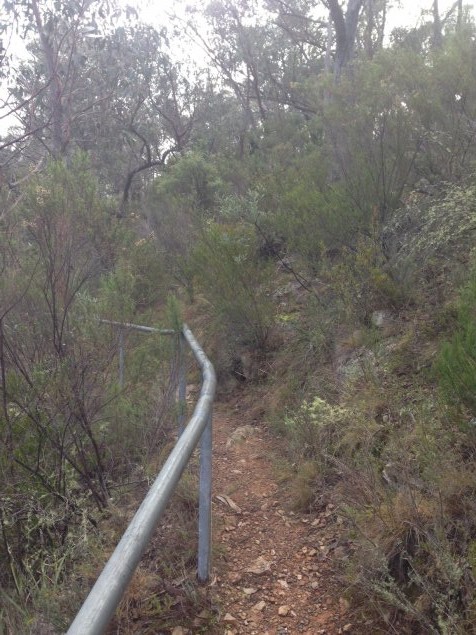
236	283
457	361
70	435
325	432
429	240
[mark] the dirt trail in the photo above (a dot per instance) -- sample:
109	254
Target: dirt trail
273	567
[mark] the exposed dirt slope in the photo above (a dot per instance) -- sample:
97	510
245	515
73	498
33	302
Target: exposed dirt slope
274	568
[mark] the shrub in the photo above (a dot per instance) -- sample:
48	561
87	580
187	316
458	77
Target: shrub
177	205
413	516
325	432
456	365
427	241
363	283
64	435
237	287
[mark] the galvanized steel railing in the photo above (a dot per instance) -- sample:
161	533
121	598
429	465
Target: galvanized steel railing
109	588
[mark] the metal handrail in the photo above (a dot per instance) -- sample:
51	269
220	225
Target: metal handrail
109	588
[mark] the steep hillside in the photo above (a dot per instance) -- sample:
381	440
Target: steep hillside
304	198
369	375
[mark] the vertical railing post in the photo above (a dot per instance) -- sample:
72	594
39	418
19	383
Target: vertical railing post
121	358
182	385
205	504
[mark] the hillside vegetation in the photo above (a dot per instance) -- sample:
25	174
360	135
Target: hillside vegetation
308	202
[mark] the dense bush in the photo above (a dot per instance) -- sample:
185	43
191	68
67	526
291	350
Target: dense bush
66	427
457	361
235	282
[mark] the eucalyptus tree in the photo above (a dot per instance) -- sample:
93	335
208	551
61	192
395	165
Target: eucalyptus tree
371	30
254	58
145	108
345	23
104	85
329	24
40	92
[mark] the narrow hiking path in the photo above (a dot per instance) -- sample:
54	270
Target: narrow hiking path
274	568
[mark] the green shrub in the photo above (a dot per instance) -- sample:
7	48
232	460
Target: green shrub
363	283
65	435
427	241
186	194
234	282
456	365
413	515
325	432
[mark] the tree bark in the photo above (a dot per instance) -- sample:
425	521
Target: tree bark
459	19
345	27
55	89
437	26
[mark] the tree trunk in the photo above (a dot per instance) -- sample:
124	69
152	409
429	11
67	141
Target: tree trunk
55	90
345	27
459	19
437	27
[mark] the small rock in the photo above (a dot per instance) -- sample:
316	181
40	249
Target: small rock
229	618
241	433
259	606
347	628
344	604
249	591
179	630
234	577
378	318
223	498
259	567
284	610
204	615
340	552
191	392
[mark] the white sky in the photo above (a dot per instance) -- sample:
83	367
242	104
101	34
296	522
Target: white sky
404	13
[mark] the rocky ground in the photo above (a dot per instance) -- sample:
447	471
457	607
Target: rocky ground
274	568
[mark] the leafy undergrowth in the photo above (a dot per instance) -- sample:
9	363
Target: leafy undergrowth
363	357
370	375
164	591
365	364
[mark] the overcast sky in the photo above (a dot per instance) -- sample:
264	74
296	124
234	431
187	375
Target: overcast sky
405	13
